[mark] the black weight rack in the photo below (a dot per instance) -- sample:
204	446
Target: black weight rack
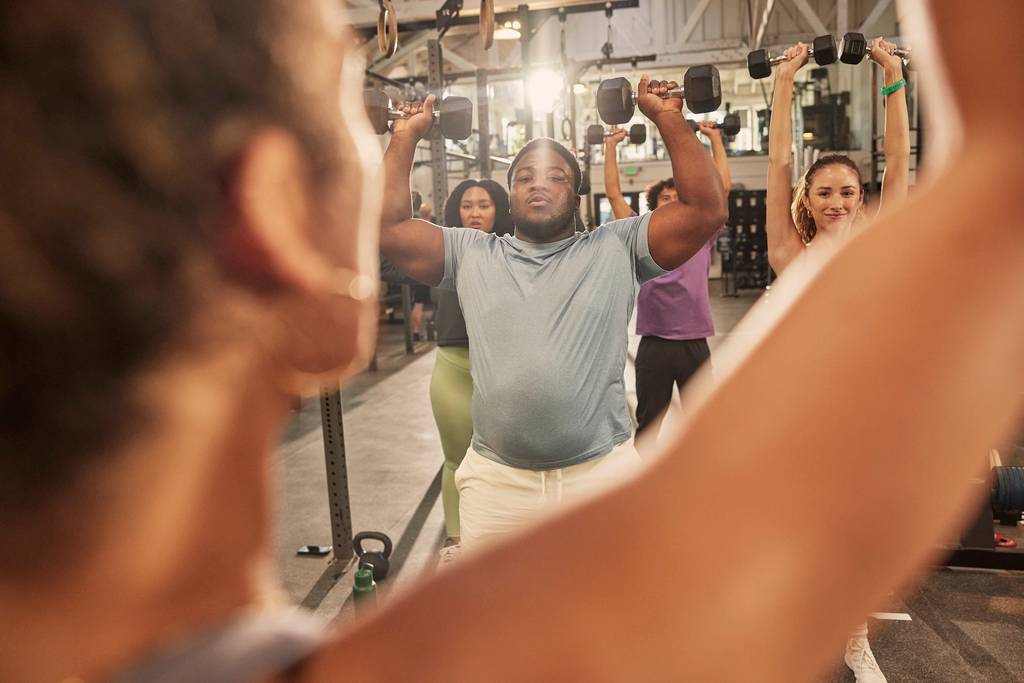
743	245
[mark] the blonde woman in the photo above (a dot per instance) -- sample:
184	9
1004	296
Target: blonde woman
829	198
826	208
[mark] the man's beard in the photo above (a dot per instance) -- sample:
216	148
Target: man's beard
547	228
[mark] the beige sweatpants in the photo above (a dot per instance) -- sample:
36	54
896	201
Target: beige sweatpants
496	500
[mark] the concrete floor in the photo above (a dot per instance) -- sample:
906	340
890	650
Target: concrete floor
958	626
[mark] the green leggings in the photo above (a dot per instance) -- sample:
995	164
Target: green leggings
451	398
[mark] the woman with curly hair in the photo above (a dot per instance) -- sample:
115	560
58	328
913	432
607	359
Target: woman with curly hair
478	205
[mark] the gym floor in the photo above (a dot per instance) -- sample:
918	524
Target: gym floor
959	625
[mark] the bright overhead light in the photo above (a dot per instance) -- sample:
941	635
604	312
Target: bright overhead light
544	88
579	88
508	31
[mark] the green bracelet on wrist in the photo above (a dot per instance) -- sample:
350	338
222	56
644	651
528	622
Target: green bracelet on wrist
890	89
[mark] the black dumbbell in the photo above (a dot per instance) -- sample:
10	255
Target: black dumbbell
637	134
823	49
702	90
730	125
855	49
584	188
454	114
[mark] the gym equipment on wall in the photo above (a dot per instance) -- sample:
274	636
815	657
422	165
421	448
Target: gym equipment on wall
387	28
743	243
449	13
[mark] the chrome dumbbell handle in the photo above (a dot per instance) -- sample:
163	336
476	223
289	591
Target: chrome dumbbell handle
775	61
395	114
675	92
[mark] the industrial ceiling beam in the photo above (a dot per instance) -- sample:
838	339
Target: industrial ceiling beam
763	26
421	14
874	16
817	25
691	24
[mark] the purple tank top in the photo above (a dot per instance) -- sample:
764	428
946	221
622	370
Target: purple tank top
676	305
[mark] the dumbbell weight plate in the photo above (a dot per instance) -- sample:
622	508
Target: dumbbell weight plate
377	103
584	188
855	48
595	134
730	124
702	86
825	51
456	118
637	134
615	102
758	65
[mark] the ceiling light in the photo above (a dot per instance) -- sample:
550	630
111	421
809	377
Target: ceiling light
544	88
508	31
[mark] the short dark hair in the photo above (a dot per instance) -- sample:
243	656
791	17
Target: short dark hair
502	216
555	146
655	189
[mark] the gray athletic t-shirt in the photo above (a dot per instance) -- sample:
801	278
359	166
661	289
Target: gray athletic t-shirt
549	330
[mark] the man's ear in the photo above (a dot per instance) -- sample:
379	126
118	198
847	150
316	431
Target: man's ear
267	239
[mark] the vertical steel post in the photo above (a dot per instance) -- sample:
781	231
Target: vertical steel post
798	134
407	316
525	32
483	113
438	164
874	130
337	473
919	106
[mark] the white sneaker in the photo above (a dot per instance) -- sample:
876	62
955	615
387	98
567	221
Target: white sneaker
862	661
449	554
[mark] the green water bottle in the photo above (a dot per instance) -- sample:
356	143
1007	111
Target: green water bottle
364	590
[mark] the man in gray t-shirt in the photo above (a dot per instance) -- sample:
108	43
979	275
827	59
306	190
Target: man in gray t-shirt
549	328
547	308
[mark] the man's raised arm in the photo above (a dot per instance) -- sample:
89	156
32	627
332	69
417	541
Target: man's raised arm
415	246
679	229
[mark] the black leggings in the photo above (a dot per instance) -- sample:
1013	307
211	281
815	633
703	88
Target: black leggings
660	364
